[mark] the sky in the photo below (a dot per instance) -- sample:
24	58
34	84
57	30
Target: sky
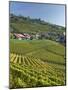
51	13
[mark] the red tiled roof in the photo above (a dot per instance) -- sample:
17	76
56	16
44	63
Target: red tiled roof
19	35
22	35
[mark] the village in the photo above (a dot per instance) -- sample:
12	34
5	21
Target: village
39	36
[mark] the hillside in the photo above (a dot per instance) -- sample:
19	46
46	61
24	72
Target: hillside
26	24
42	64
36	61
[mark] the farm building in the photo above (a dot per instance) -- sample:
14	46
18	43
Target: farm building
19	36
27	36
22	36
37	36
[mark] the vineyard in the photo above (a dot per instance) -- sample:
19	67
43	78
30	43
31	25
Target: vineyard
35	63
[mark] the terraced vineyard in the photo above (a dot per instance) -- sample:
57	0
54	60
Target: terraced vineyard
36	63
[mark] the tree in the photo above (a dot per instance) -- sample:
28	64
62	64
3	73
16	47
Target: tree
31	38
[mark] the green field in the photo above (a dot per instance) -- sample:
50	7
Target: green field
35	63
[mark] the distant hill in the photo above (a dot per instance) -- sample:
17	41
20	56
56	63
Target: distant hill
26	24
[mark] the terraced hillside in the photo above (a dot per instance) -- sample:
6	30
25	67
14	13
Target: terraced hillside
22	24
36	63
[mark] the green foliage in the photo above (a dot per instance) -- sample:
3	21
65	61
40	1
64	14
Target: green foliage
26	24
36	63
11	36
52	51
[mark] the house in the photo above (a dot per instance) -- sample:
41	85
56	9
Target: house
22	36
37	36
27	36
19	36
